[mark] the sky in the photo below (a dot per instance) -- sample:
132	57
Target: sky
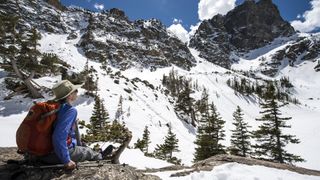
302	14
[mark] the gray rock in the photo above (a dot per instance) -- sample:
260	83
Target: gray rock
248	26
108	37
106	171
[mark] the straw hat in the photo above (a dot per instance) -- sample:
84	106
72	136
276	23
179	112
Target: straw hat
63	89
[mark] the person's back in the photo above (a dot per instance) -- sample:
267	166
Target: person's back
66	149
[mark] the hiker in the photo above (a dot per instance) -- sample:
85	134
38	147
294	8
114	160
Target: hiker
67	149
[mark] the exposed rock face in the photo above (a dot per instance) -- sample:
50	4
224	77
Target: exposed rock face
303	49
126	44
253	25
106	171
212	40
108	37
249	26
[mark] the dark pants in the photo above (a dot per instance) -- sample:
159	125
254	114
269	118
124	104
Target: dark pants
77	154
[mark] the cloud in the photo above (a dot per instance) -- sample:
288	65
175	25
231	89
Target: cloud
209	8
179	31
177	21
99	6
310	19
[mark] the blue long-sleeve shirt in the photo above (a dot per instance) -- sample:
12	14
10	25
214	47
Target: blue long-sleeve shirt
64	128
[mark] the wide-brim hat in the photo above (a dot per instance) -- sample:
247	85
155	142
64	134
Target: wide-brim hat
63	89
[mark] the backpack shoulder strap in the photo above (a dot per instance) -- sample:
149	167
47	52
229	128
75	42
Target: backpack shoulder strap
50	112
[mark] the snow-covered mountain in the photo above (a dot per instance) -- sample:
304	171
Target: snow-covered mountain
130	59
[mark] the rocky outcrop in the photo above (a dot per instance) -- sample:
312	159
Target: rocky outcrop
110	171
86	170
248	26
222	159
303	49
108	37
210	163
253	25
112	38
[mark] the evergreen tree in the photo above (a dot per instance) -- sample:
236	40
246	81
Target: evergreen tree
240	138
13	47
140	145
97	130
203	141
90	82
217	124
184	104
210	133
146	138
271	141
170	145
119	111
202	104
144	143
28	56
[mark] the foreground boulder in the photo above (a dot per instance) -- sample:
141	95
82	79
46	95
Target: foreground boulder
105	170
86	170
210	163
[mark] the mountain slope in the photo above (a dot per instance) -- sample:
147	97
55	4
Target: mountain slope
77	36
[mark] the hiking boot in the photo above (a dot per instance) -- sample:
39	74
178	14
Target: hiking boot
107	153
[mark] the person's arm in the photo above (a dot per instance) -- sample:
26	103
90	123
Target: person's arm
60	134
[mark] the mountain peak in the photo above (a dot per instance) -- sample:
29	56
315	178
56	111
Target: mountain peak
117	13
254	24
250	25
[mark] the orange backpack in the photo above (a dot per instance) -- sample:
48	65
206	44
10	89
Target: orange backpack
34	133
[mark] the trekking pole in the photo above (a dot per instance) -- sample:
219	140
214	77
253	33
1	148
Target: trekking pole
43	167
58	166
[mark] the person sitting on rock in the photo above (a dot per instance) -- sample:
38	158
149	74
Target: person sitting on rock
67	149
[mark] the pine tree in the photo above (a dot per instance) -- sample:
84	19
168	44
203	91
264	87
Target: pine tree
271	141
184	104
172	83
240	138
216	124
143	144
119	111
12	47
97	130
28	56
170	145
203	141
139	145
117	131
210	134
202	104
91	83
146	138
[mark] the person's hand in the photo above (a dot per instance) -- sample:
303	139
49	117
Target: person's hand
70	165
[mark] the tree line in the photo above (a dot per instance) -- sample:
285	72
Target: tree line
270	139
261	89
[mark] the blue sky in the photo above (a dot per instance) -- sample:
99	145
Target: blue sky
302	13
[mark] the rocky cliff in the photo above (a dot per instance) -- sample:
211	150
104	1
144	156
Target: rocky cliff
144	43
250	25
108	37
